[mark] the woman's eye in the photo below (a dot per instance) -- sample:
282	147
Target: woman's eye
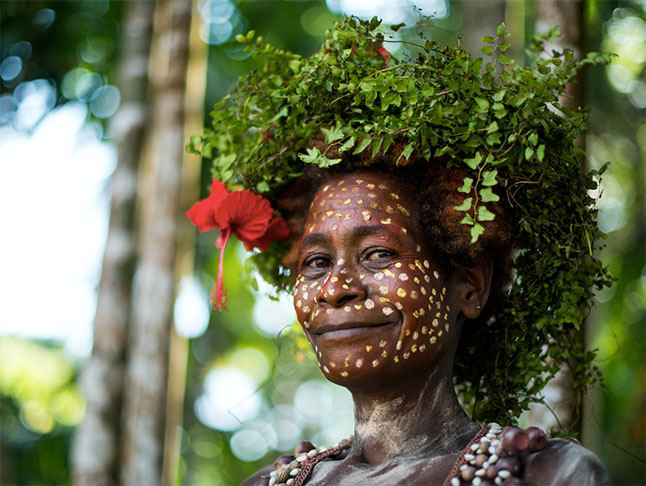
316	262
379	254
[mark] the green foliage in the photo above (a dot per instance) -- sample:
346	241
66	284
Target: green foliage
494	121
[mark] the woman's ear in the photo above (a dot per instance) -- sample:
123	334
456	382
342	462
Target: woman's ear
472	286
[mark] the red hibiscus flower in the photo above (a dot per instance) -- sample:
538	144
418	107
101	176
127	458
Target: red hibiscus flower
247	215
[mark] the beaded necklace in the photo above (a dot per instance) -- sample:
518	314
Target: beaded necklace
491	457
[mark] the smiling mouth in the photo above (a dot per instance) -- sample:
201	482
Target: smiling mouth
347	330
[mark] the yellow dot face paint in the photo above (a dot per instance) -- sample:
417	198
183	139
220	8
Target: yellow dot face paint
367	282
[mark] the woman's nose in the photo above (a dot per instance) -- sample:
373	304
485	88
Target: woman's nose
341	287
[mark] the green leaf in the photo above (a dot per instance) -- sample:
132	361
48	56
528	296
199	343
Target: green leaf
466	186
465	206
365	141
499	95
408	149
250	35
376	145
489	177
483	104
488	39
225	161
500	30
241	38
486	50
347	145
474	161
533	138
504	46
484	214
312	156
540	152
529	153
396	27
467	220
332	134
487	195
476	231
262	186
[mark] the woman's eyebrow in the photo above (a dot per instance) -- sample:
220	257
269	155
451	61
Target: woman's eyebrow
373	229
315	239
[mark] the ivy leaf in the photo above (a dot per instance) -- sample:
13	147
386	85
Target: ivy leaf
465	206
408	150
347	145
529	153
476	231
533	138
483	105
540	152
499	95
467	220
332	134
466	187
365	141
484	214
486	50
489	177
474	161
225	161
488	39
262	186
501	30
314	156
487	195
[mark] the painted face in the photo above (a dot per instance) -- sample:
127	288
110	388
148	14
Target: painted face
368	295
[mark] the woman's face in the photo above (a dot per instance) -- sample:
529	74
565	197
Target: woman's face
369	296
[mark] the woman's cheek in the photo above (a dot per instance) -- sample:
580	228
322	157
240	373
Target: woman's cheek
304	300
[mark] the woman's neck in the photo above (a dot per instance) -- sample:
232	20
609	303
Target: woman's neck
420	417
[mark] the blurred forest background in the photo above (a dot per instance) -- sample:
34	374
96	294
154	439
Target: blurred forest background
100	312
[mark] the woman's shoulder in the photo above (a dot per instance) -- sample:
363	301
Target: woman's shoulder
564	461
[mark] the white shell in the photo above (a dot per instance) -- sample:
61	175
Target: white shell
497	480
480	472
312	453
272	481
294	471
504	474
301	458
475	447
455	482
469	457
493	458
492	450
289	482
476	481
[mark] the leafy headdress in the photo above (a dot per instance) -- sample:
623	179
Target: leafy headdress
499	122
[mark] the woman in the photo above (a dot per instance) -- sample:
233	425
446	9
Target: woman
419	237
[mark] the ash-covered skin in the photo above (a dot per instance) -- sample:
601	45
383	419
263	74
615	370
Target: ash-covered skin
384	322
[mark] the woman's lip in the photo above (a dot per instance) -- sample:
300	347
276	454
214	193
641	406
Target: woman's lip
347	328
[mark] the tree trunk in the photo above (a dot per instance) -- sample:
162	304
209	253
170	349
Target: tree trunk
154	287
94	452
560	397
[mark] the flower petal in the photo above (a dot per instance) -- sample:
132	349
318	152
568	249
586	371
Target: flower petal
247	214
276	231
202	212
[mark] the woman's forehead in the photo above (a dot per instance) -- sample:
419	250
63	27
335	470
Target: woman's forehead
367	189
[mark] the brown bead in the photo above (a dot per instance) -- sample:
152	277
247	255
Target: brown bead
491	472
480	459
283	460
468	473
303	446
515	440
537	439
509	463
484	446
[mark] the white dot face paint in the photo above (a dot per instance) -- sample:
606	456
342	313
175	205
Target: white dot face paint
374	286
